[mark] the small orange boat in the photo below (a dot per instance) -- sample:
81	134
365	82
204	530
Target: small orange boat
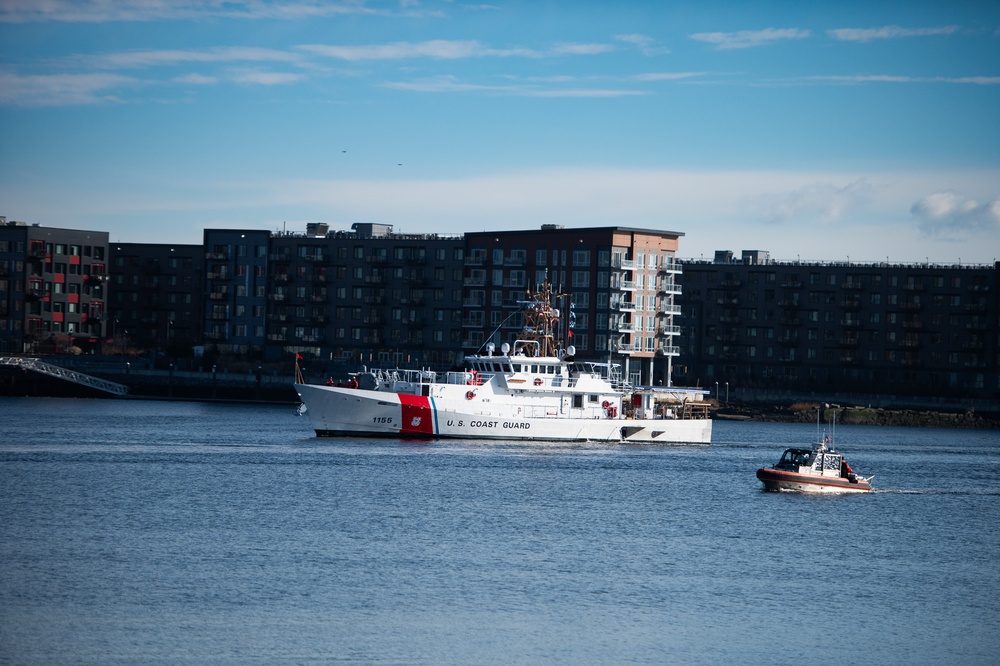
816	470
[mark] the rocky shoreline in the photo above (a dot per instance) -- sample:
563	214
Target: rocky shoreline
806	413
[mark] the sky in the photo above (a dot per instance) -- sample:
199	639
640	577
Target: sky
857	131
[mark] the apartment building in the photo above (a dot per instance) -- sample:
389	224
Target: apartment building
53	286
616	287
156	296
911	329
362	296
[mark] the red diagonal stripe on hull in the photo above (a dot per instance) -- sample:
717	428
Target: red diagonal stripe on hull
417	416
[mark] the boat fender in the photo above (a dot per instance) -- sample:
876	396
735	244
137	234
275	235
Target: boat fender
538	381
469	395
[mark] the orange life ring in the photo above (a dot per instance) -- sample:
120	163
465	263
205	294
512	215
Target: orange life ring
605	404
469	395
538	381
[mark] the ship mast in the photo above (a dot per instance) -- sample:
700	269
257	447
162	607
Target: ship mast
540	320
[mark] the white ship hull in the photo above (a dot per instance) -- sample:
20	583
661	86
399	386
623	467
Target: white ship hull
477	413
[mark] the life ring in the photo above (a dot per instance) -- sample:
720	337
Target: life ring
605	404
469	395
538	381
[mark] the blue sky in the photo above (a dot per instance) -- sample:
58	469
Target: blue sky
814	130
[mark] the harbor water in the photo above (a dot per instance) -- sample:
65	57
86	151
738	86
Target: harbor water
191	533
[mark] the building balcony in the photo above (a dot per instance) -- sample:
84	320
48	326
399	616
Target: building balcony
671	267
668	309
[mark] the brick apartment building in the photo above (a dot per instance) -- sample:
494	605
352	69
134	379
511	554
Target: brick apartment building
619	285
53	285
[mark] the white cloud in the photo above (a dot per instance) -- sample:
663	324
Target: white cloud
266	78
646	44
103	11
667	76
60	89
749	38
445	49
887	32
814	202
438	48
581	49
450	84
952	216
168	57
196	79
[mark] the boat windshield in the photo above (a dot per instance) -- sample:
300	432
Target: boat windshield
795	457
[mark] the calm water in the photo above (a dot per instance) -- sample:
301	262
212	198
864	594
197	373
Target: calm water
165	533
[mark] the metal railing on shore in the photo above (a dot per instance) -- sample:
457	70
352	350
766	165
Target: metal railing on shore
59	372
